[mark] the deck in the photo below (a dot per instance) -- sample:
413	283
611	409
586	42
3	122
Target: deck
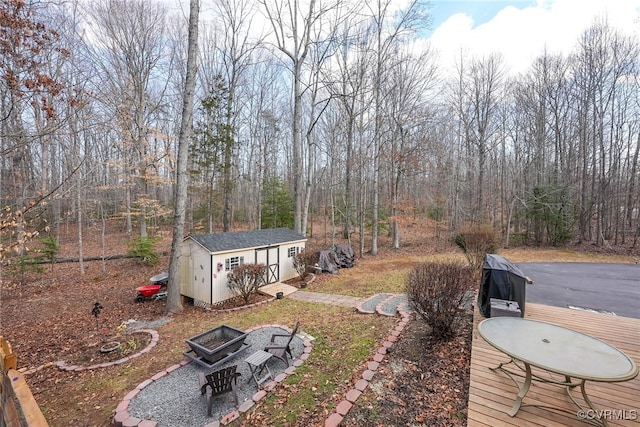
491	395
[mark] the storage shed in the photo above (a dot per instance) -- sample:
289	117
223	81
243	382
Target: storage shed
206	259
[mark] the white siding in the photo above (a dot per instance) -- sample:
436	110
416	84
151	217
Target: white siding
204	276
201	275
196	271
186	283
287	271
219	291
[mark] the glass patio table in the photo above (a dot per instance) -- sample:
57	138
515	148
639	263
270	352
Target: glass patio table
576	356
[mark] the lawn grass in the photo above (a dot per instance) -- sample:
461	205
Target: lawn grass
562	255
374	275
345	340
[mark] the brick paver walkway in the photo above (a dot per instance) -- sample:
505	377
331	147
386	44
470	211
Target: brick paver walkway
341	300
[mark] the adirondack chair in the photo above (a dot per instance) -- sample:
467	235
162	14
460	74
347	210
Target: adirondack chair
282	350
217	383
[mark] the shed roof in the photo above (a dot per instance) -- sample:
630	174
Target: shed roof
234	240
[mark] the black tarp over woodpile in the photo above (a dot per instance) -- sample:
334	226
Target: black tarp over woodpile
340	256
344	255
327	262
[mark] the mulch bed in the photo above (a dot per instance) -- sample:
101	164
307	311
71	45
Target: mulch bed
239	302
421	383
89	352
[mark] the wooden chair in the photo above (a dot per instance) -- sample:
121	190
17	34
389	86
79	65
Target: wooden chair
282	350
217	383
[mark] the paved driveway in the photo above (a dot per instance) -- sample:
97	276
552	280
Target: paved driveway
602	287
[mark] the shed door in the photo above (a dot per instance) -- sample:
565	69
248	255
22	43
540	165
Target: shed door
271	258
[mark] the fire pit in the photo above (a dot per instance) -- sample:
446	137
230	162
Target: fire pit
215	346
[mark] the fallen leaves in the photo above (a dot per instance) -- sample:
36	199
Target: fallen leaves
434	380
48	315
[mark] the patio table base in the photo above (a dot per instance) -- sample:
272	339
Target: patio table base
554	350
529	377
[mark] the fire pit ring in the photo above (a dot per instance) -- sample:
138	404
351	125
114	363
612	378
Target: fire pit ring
109	347
215	346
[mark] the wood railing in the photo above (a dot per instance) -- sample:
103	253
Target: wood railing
9	358
19	408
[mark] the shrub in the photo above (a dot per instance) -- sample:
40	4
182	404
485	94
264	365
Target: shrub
436	212
245	280
277	204
436	291
50	249
549	210
301	261
476	241
144	248
25	264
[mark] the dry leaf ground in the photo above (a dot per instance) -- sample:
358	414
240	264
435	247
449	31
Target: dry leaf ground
47	317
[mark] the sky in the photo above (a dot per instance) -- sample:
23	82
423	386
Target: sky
521	29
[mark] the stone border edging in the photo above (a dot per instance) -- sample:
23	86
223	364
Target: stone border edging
229	310
342	409
312	278
121	417
378	309
360	307
381	305
155	337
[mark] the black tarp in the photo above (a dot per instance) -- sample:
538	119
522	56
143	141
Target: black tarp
344	255
327	262
502	280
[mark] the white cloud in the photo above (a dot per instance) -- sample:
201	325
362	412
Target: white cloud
522	34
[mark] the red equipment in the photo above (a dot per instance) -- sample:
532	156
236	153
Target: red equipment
155	291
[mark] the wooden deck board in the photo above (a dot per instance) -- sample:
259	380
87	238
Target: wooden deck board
491	394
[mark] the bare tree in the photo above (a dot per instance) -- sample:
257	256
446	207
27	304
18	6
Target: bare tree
390	28
294	30
348	83
477	95
236	49
180	196
265	119
602	66
29	90
411	84
130	49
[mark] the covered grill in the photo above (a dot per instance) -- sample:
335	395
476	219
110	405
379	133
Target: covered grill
501	280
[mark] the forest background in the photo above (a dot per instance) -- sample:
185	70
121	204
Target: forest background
331	113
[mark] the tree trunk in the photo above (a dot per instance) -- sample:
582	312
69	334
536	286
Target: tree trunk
298	192
80	242
174	304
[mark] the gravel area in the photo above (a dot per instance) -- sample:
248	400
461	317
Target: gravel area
175	401
370	304
147	324
390	307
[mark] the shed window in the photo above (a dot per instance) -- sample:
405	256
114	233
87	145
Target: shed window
233	262
291	252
